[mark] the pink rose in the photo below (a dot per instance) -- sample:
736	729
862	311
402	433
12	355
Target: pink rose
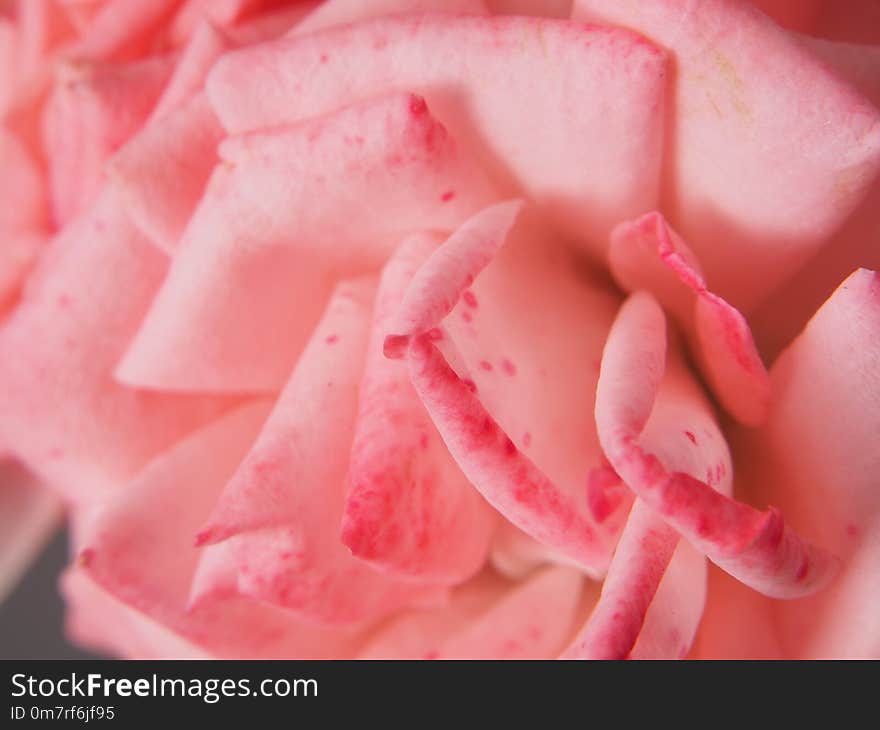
360	330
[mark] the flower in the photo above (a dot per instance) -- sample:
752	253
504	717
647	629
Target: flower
370	330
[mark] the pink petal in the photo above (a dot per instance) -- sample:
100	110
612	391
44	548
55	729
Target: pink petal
22	187
798	15
18	254
285	213
63	414
99	622
92	110
409	509
122	30
505	382
284	505
757	548
642	555
817	458
342	12
221	13
648	254
532	621
162	172
140	550
203	48
271	25
28	515
856	21
792	150
600	91
548	8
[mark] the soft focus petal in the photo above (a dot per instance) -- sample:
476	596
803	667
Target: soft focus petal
140	550
91	112
63	414
600	92
767	151
286	212
817	458
343	12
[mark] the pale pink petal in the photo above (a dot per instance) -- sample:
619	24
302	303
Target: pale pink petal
271	25
28	515
63	414
343	12
18	254
416	634
222	13
647	254
97	621
738	623
640	560
644	428
505	382
203	48
532	621
285	213
91	111
162	172
767	151
140	550
600	92
284	505
409	509
22	187
122	30
817	458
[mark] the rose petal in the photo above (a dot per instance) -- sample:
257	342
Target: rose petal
63	415
122	30
28	514
508	384
161	173
409	509
792	150
96	620
798	15
600	91
532	621
817	458
286	501
648	254
757	548
548	8
342	12
91	111
140	551
284	214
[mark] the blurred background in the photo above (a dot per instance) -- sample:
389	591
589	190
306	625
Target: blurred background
32	616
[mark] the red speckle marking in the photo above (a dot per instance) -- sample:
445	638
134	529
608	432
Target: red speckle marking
55	453
330	339
64	301
467	316
417	106
470	299
324	58
486	365
852	529
433	654
508	367
691	437
435	334
603	494
447	196
423	441
469	384
509	447
527	439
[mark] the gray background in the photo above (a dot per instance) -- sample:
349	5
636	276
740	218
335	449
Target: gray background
32	616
